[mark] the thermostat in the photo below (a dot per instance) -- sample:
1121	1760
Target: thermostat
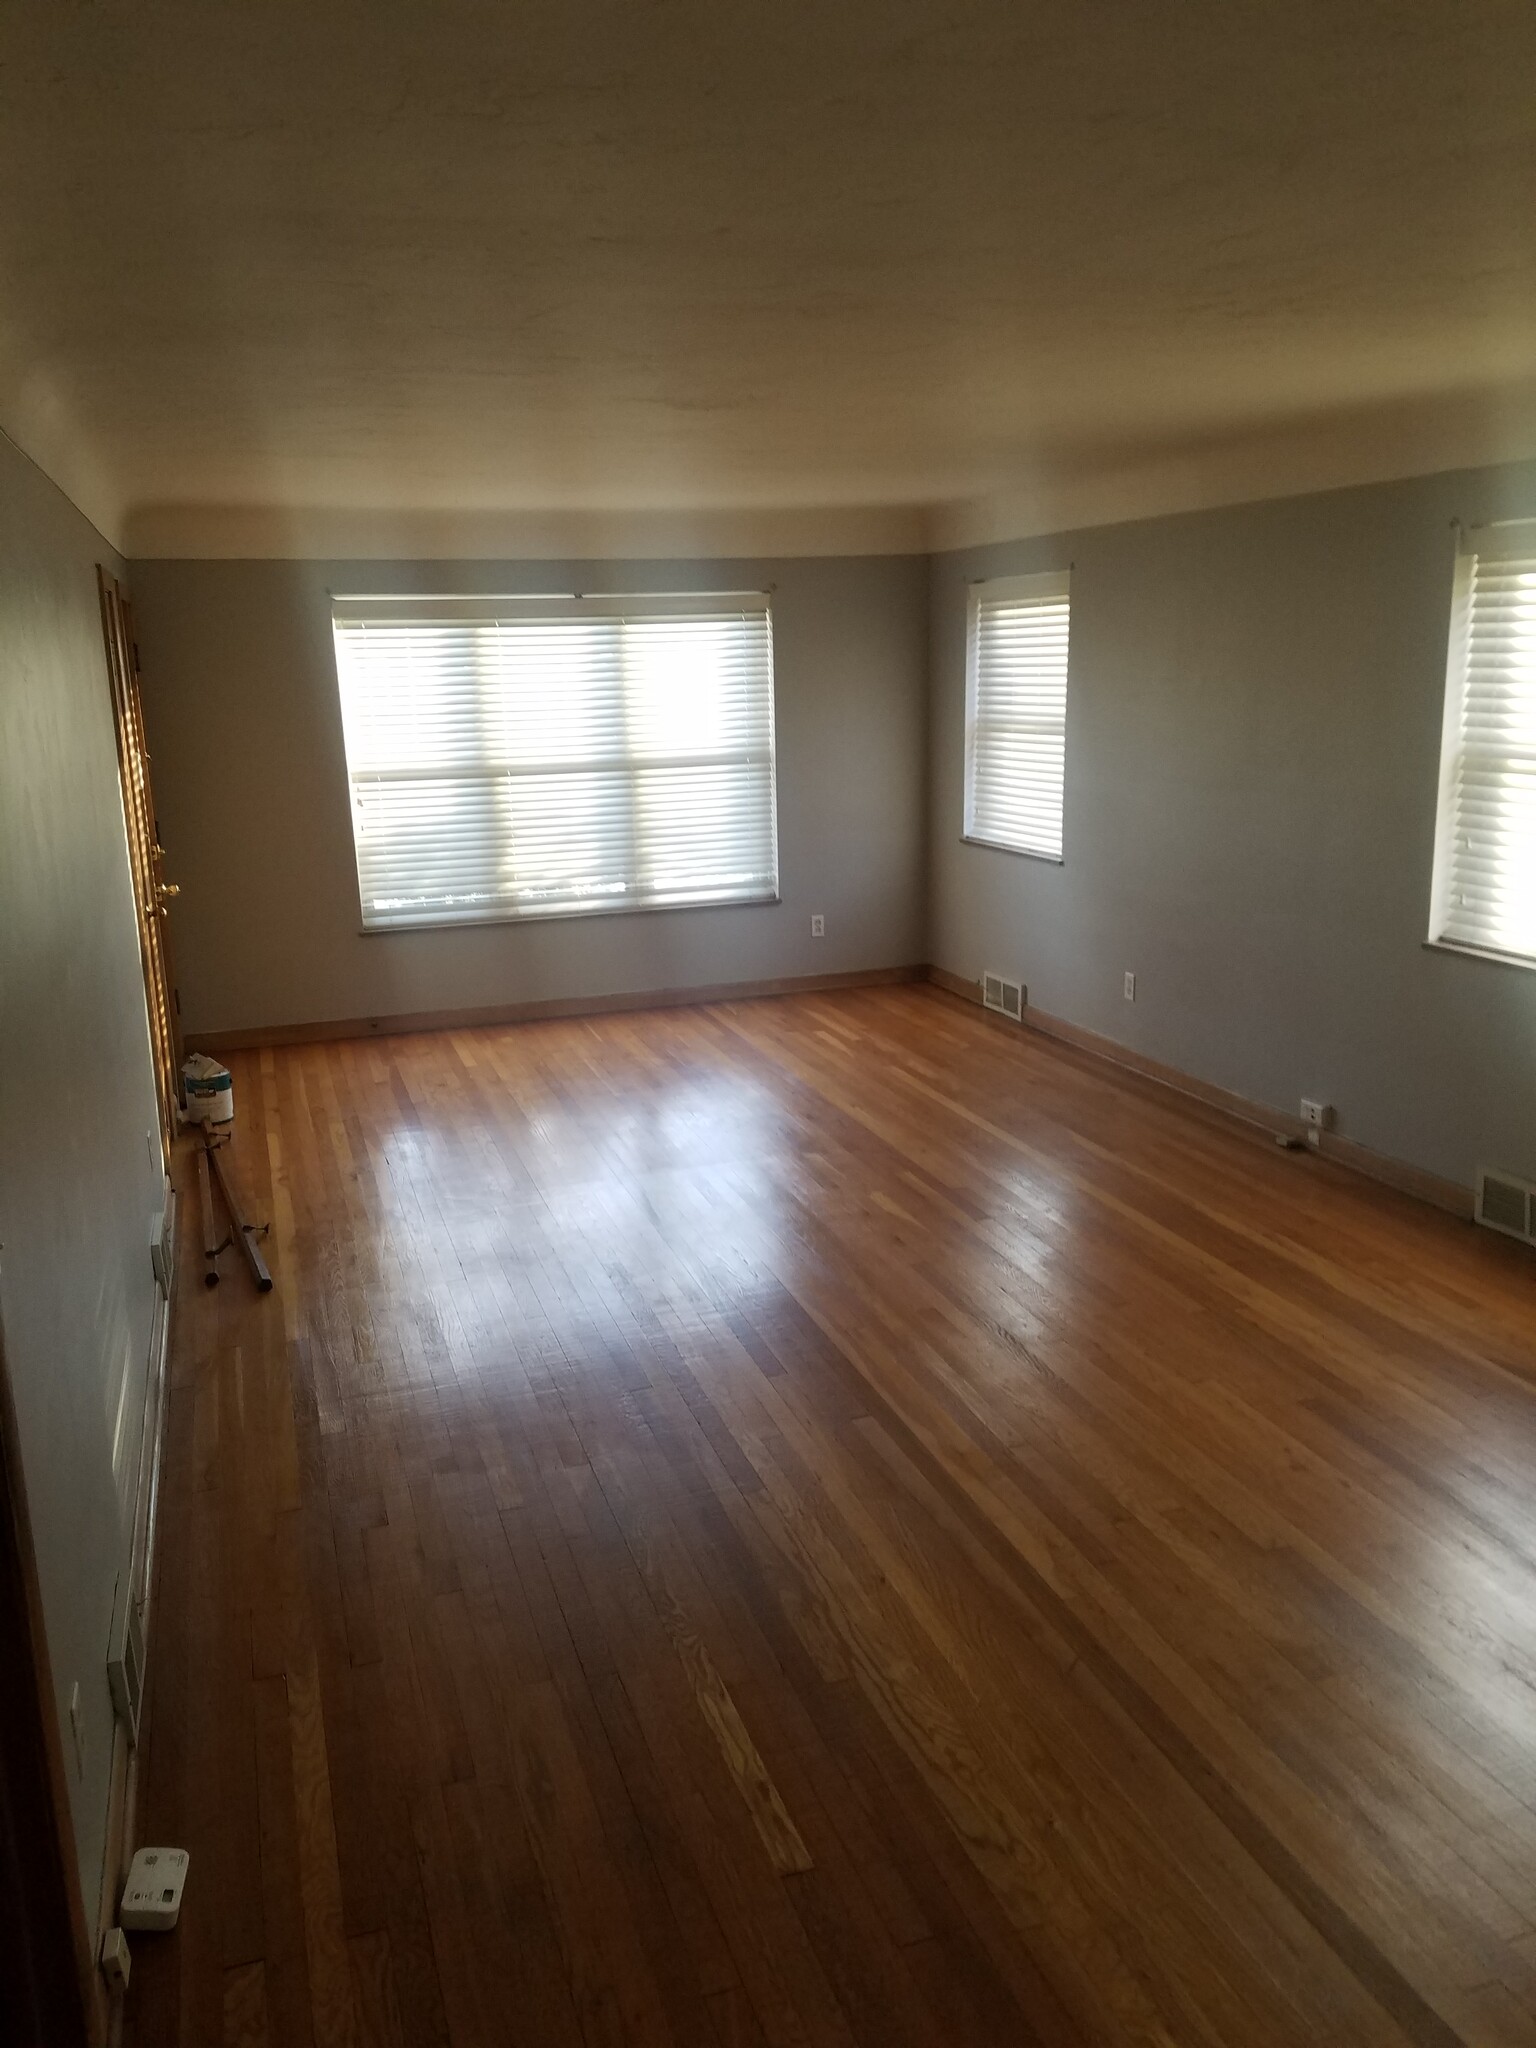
152	1895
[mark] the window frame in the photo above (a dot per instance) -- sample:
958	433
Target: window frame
1035	586
427	607
1505	540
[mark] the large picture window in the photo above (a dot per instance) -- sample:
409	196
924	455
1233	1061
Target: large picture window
535	756
1485	851
1016	713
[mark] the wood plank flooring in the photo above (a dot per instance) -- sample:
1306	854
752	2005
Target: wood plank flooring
831	1520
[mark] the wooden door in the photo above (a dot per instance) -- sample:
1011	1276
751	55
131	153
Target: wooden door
50	1992
152	893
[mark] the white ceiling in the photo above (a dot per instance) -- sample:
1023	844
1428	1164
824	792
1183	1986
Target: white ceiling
429	277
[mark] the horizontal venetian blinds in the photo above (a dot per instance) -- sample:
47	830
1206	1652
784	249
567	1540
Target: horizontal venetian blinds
533	757
1485	868
1016	726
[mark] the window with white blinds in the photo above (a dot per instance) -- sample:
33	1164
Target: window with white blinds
550	756
1016	713
1485	850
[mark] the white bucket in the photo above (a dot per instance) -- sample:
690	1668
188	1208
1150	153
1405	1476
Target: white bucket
210	1092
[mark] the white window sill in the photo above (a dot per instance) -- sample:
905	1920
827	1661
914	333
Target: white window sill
1052	860
1525	960
565	910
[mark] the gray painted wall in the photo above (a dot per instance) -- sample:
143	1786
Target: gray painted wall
78	1178
241	702
1253	742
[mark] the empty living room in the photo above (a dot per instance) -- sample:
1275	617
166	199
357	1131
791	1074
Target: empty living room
767	1024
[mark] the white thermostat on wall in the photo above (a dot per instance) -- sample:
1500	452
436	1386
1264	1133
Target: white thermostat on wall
152	1895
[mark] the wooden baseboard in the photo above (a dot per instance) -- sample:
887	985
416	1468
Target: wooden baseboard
1393	1173
255	1036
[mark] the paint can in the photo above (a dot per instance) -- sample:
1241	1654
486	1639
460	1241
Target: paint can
209	1090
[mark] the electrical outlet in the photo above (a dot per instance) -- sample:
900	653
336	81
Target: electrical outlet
1130	986
1319	1115
818	926
77	1728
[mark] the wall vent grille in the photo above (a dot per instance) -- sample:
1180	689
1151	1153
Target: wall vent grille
1003	995
1507	1204
128	1640
125	1666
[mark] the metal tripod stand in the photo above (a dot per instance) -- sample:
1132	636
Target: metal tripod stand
210	1170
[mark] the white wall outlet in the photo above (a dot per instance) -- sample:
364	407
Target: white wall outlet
152	1895
1318	1116
1130	986
818	926
114	1958
77	1728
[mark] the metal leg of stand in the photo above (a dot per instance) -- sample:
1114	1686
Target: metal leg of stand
243	1233
212	1245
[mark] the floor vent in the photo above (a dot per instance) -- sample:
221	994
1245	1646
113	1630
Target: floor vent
1002	995
1507	1204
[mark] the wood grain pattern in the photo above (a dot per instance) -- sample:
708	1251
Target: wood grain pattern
151	892
822	1521
50	1989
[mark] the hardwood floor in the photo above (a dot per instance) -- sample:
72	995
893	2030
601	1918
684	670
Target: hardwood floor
831	1520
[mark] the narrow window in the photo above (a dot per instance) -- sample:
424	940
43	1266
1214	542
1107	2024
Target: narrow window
1016	713
1484	895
